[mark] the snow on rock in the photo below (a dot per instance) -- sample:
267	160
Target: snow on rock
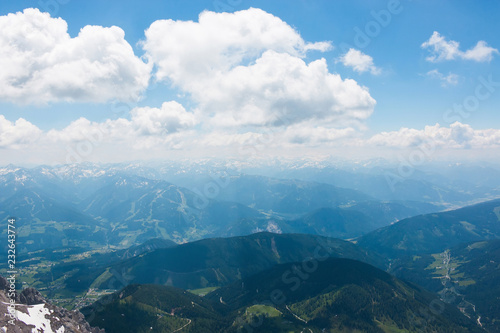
37	316
33	314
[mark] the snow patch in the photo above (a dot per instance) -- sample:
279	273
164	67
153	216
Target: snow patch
36	316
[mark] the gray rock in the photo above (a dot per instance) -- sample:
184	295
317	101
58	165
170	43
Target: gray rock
29	304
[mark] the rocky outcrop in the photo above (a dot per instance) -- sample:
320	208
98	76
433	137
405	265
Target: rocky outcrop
31	296
34	314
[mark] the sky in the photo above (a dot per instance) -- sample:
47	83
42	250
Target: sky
112	81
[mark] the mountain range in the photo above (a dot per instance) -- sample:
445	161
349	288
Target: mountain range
205	263
435	232
95	206
336	295
214	247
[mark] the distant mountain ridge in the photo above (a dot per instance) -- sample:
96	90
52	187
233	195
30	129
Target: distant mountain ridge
436	232
90	205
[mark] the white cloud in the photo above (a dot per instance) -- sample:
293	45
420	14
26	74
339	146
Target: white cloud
224	139
146	128
441	49
187	50
319	135
278	138
170	118
359	61
446	80
280	90
246	69
17	134
480	52
246	75
41	63
457	135
78	130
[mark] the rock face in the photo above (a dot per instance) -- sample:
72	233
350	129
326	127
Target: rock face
34	314
31	296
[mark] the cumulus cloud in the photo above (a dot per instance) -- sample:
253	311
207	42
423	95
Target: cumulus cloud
457	135
247	69
41	63
78	130
359	62
279	137
17	134
225	139
441	49
318	135
146	128
187	50
169	119
446	80
245	73
280	90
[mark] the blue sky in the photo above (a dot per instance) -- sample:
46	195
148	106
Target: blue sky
374	84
